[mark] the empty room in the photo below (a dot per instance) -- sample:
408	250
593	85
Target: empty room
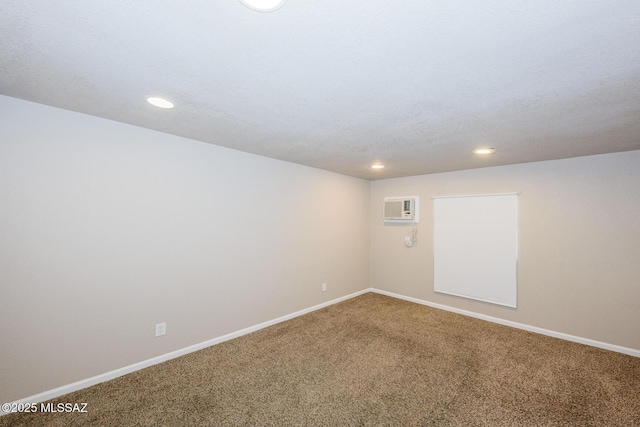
319	213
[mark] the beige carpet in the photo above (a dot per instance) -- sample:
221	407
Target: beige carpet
371	361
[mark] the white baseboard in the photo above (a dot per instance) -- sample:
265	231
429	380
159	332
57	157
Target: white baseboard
573	338
69	388
78	385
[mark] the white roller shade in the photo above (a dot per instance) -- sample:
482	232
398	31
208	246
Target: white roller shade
476	247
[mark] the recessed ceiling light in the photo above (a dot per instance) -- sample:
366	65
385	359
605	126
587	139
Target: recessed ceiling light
263	5
484	151
377	166
159	102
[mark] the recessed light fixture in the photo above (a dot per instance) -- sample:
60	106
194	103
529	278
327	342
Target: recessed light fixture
377	166
159	102
484	151
263	5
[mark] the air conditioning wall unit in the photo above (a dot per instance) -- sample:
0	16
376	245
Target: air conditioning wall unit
401	209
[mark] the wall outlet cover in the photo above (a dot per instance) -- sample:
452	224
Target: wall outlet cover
161	329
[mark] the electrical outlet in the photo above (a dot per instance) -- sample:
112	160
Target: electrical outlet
324	287
161	329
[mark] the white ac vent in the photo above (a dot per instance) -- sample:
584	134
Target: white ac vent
401	209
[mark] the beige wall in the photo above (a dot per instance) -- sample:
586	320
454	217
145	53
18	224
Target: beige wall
107	229
579	243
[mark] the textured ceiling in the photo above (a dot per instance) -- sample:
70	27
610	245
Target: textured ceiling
339	84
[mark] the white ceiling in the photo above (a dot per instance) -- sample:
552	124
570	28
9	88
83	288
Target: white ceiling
340	84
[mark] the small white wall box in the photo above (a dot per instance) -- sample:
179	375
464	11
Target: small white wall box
401	209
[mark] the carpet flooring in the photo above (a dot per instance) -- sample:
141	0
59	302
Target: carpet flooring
370	361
